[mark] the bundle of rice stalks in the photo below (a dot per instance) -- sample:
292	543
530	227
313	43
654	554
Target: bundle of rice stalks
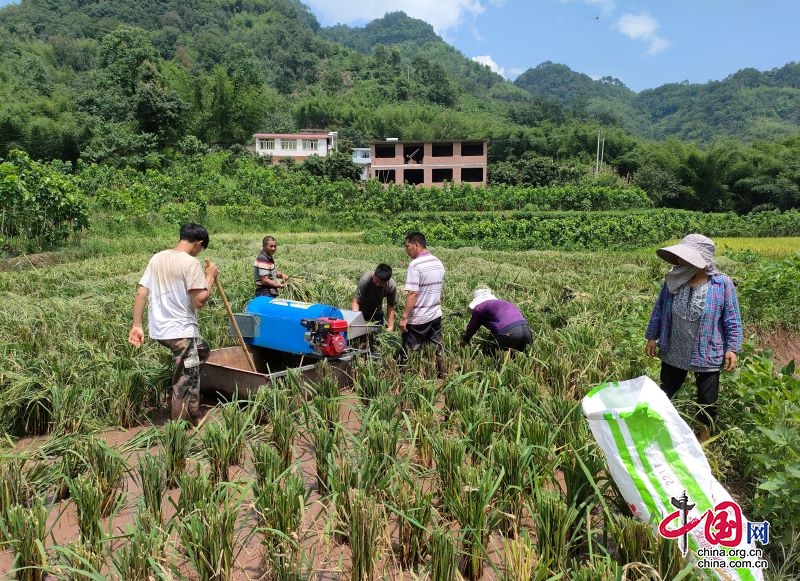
414	512
297	289
367	527
443	556
141	557
88	499
280	507
152	477
194	488
469	500
175	442
208	532
515	459
108	469
24	530
236	424
217	450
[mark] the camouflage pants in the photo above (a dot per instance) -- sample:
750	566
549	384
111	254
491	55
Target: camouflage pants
189	354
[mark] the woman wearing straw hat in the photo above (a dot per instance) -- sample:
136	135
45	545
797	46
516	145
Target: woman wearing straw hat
503	319
695	324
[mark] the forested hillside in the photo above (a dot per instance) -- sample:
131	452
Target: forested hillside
747	105
135	85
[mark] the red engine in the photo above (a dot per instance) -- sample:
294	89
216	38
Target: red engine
326	335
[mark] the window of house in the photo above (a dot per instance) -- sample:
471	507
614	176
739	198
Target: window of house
414	153
289	144
385	176
266	144
471	174
414	176
441	174
310	145
442	150
384	151
470	148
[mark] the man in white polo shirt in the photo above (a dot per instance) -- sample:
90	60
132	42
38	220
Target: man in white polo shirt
422	317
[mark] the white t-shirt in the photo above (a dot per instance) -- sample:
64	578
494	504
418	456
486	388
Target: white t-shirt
169	277
425	276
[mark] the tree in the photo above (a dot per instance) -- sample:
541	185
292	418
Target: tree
121	55
40	205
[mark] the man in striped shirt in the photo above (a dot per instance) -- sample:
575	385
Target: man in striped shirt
422	316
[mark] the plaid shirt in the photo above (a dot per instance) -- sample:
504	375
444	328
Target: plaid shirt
720	324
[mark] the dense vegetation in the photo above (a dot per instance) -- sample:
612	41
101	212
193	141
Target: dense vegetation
138	85
748	104
466	469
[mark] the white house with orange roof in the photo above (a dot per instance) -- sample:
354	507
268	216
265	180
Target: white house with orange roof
297	146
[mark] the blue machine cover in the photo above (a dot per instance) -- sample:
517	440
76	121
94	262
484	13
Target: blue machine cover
278	323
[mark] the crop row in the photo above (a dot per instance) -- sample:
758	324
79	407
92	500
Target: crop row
579	230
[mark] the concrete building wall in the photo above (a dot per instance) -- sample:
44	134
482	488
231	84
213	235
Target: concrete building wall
430	163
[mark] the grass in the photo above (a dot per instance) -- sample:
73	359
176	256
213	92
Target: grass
367	527
153	480
25	530
175	441
207	534
450	462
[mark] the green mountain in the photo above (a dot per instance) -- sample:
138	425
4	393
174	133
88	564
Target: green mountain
747	105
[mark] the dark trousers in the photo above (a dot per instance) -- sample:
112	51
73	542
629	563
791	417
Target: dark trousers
707	389
416	336
515	337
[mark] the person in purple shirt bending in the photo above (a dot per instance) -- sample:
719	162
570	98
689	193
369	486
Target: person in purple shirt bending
504	320
695	324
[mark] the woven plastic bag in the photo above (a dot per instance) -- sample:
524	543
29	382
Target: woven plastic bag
662	472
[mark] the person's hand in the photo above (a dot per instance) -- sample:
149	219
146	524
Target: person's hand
211	270
404	324
730	361
650	348
390	328
136	336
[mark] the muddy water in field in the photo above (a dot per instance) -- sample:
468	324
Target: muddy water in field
331	559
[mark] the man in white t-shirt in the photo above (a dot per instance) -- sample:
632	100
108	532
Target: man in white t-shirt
174	287
422	316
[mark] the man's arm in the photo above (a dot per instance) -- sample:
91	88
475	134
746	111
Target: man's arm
267	281
355	306
411	300
200	296
136	334
390	317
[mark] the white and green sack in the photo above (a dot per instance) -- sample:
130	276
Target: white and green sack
653	456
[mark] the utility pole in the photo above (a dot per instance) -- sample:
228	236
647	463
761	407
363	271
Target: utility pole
597	155
602	152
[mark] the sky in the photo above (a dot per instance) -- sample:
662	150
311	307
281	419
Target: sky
644	43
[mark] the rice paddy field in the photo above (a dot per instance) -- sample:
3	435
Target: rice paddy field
490	473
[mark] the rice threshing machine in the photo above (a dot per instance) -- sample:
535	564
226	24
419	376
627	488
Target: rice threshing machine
282	336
